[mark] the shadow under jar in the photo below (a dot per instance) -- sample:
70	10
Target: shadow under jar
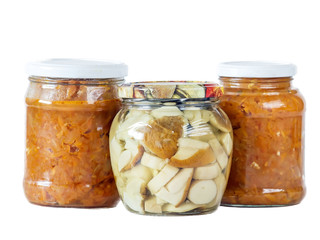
267	117
171	147
70	107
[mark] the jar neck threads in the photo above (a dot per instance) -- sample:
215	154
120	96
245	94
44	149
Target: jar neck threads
252	84
132	102
74	81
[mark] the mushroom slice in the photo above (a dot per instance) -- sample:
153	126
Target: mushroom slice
202	191
124	160
197	116
152	161
130	127
130	157
161	135
116	147
192	153
133	195
226	141
175	192
184	207
219	152
136	186
202	132
193	115
166	111
151	205
134	201
220	121
221	185
139	171
180	181
206	115
174	198
163	177
209	171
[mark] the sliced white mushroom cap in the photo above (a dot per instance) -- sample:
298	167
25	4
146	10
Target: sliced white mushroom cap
136	112
124	159
136	186
209	171
184	207
202	132
219	152
151	205
129	157
134	201
192	153
129	128
120	182
139	171
202	191
193	115
173	198
164	176
160	201
226	141
175	192
116	148
180	180
166	111
153	161
133	195
206	115
220	121
221	186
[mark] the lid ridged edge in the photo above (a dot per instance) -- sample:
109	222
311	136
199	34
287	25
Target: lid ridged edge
77	68
256	69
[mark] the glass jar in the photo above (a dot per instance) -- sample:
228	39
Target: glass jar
267	117
70	108
171	147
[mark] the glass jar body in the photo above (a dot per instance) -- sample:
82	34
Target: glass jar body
267	117
171	158
67	159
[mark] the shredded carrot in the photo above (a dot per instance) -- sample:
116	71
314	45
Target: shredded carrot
267	166
67	157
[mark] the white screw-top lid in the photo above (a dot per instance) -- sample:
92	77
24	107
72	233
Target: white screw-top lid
256	69
77	68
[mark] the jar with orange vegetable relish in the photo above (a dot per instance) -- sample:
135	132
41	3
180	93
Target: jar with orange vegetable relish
70	107
267	117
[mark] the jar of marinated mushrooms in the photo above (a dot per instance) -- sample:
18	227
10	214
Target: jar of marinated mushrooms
70	107
171	146
267	116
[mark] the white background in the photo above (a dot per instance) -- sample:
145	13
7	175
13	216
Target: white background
167	39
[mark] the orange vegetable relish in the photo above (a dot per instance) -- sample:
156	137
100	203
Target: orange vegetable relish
67	144
268	156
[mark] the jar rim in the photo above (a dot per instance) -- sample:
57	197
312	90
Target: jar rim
76	81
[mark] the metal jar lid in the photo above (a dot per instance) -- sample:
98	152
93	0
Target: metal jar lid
171	90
